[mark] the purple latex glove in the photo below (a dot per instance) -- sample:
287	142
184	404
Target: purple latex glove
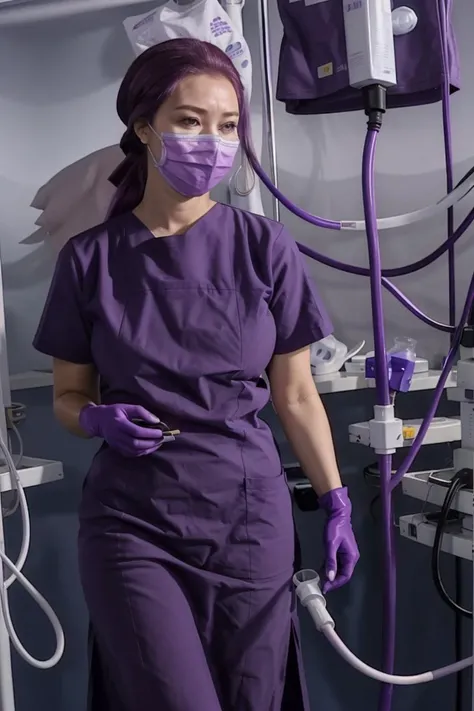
113	424
340	544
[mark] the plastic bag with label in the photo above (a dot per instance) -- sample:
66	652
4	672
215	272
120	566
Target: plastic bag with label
202	19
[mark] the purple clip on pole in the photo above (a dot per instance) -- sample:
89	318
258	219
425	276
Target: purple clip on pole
401	360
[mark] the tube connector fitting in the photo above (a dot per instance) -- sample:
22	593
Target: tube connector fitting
386	430
375	105
309	594
467	339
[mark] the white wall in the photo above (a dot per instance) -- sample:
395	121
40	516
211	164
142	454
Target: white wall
58	83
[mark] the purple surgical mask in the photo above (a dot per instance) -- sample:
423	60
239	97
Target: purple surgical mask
193	165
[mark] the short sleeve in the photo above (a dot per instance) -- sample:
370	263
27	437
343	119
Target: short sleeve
63	331
299	314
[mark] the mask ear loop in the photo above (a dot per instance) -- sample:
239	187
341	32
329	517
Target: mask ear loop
157	163
245	171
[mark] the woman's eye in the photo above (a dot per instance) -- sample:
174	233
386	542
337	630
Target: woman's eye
229	127
189	122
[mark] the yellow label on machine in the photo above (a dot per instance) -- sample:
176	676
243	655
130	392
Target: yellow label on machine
409	432
325	70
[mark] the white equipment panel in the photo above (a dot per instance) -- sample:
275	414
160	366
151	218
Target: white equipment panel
32	472
442	429
456	541
418	486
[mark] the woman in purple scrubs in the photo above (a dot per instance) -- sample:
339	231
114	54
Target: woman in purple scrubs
162	319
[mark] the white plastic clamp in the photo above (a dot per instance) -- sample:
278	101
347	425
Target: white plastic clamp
386	430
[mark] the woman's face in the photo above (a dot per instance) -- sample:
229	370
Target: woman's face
200	104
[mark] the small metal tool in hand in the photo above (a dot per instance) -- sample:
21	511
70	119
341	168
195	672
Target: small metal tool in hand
168	434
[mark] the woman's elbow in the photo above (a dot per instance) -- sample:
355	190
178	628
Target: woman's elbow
295	399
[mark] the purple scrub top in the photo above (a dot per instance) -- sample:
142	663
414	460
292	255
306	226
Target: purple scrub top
186	556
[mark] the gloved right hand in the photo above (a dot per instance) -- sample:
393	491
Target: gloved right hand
113	424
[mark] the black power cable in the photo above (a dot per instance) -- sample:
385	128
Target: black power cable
467	341
461	480
458	636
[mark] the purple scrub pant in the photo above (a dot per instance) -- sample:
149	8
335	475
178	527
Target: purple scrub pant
167	635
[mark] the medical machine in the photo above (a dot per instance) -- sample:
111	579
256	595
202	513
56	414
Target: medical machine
365	59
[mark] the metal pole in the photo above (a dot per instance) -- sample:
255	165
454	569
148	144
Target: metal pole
7	700
267	97
7	697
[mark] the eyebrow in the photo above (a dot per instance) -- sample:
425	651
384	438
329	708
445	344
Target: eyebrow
198	110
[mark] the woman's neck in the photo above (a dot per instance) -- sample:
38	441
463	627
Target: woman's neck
165	212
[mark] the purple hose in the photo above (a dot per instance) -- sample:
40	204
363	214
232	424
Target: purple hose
378	279
394	290
400	296
351	269
396	271
332	225
415	448
368	195
389	581
298	211
383	398
443	9
438	252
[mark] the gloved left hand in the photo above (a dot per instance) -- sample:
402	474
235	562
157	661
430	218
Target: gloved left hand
340	544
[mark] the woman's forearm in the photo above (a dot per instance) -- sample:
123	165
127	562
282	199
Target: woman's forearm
307	429
67	409
74	387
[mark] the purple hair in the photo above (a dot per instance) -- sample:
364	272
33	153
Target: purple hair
149	81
